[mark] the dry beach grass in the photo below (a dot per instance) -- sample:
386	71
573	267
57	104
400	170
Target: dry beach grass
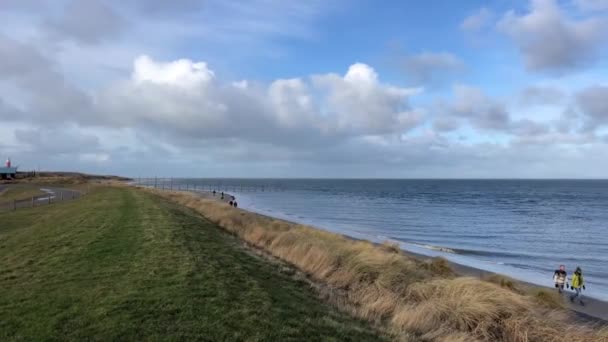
410	297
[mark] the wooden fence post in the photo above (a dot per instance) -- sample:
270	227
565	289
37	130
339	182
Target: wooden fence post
32	201
49	198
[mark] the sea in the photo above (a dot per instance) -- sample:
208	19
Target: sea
523	229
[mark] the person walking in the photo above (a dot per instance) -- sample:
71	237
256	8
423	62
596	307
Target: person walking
560	277
578	282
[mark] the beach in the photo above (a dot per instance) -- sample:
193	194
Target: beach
378	282
524	229
595	310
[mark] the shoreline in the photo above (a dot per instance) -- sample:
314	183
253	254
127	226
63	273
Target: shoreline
594	311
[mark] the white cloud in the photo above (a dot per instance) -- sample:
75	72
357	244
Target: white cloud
292	103
551	41
94	157
88	22
542	95
593	101
86	101
43	92
358	103
592	5
57	140
181	73
431	67
185	98
477	21
479	109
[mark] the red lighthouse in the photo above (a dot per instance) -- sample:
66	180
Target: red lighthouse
8	163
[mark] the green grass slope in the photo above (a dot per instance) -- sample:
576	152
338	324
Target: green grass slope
120	264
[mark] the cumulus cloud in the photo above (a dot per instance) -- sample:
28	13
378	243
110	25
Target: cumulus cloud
57	140
528	128
19	60
593	5
88	22
541	95
358	103
186	98
182	73
550	41
479	109
99	158
430	67
478	20
483	112
446	124
164	7
594	104
8	112
86	101
46	94
25	5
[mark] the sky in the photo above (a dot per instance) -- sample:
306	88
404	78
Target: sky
279	88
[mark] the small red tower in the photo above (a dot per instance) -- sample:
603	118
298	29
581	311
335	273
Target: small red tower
8	163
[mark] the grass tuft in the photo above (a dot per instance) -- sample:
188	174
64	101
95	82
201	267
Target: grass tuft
548	298
504	282
391	247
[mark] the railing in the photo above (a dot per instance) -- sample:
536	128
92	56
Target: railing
206	185
52	196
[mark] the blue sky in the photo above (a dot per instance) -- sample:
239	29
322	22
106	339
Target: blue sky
268	88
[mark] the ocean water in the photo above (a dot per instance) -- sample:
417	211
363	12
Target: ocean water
521	228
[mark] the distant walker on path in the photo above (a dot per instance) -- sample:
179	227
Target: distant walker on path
578	282
560	278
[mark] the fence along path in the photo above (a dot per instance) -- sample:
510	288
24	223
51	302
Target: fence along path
208	185
52	195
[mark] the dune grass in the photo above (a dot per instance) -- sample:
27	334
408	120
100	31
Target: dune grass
412	297
542	296
121	264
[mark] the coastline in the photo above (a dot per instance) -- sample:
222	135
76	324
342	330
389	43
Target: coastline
406	295
594	311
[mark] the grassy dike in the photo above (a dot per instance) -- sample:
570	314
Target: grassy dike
413	298
123	264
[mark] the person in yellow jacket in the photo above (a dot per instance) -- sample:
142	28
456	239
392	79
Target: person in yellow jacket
577	283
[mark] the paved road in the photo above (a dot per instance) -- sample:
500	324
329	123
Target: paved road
55	195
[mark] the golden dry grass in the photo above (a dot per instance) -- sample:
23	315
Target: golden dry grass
409	296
